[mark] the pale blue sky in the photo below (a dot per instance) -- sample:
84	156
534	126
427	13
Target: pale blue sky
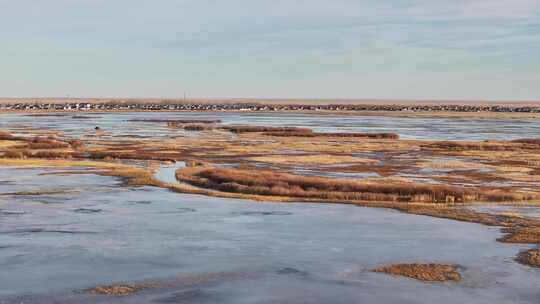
400	49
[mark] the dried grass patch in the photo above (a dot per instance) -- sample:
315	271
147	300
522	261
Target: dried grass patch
423	272
5	135
521	235
198	127
452	164
529	257
271	183
530	141
6	144
319	159
475	145
327	134
259	129
117	290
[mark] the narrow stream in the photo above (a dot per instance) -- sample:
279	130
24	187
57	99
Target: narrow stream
167	173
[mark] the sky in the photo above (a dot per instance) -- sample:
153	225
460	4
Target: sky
357	49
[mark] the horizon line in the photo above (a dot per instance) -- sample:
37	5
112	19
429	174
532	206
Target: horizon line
437	100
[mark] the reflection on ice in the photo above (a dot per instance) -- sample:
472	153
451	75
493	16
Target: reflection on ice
167	173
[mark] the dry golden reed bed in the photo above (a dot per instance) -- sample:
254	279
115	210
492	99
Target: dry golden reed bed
270	183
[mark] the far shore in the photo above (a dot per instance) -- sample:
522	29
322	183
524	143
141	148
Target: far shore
423	109
271	101
411	114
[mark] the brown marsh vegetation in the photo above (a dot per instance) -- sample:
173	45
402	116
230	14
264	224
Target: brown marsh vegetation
523	235
267	182
4	135
112	155
530	141
465	215
515	145
14	154
423	272
46	143
198	127
179	121
117	290
260	129
322	134
40	147
529	257
302	132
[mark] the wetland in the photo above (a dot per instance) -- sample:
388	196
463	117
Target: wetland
268	207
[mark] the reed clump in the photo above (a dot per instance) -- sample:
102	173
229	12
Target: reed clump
43	147
423	272
259	129
198	127
47	143
174	122
535	171
479	146
117	290
136	155
343	135
522	235
195	163
50	154
47	154
5	135
14	154
466	215
531	141
303	132
133	176
75	143
271	183
529	257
